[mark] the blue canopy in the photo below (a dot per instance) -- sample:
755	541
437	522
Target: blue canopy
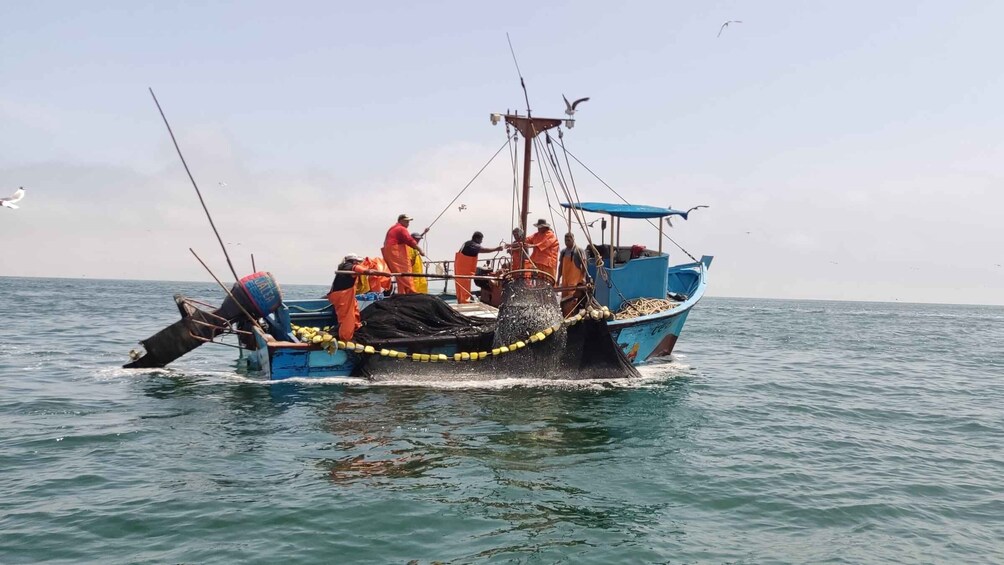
625	210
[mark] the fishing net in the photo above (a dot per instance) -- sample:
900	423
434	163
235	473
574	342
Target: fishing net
586	351
421	317
528	306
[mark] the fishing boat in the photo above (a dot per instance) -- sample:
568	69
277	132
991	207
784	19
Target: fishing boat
631	310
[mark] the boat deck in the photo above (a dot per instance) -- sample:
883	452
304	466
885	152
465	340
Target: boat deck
476	310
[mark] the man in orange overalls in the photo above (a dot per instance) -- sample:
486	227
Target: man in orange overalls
572	273
395	252
466	263
545	248
342	296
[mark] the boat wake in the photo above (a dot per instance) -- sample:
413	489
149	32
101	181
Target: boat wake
649	376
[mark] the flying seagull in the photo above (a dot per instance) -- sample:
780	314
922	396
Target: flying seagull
570	106
222	184
726	24
9	202
669	222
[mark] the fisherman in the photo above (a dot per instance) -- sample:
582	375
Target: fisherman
545	248
572	273
516	248
342	296
466	263
421	284
395	252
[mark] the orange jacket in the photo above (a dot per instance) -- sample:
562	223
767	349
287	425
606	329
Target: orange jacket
545	248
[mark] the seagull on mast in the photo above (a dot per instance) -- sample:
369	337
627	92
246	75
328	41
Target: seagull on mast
570	106
9	202
726	24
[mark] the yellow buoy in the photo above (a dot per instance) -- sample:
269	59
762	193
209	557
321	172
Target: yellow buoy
482	354
520	344
416	356
465	356
496	351
541	336
504	349
456	357
317	339
384	352
370	349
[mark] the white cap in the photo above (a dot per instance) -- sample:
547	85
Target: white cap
352	257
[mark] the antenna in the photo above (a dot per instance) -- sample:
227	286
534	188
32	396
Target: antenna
520	73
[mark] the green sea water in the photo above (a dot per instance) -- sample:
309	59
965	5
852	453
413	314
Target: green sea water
780	432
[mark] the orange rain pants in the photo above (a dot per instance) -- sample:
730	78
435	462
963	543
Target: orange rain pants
464	265
396	256
345	306
571	275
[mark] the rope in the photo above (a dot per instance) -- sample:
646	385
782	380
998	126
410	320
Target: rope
644	307
547	196
579	214
515	186
466	186
664	234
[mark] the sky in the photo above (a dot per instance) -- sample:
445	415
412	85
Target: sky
846	150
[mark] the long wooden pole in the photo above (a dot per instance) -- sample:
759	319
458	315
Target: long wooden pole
227	290
197	191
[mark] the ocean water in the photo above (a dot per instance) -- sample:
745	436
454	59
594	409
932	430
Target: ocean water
780	432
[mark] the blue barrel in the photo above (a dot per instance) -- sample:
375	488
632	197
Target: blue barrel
263	291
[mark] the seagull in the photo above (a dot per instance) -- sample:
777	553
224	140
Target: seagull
9	202
570	107
222	184
462	207
669	222
726	24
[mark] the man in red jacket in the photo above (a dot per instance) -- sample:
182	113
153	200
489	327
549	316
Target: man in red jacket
395	252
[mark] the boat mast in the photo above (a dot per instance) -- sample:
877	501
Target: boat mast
530	128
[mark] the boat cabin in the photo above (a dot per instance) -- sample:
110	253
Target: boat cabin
633	271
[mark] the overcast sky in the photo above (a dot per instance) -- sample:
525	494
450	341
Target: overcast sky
847	150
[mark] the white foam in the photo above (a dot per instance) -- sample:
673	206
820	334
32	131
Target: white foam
652	374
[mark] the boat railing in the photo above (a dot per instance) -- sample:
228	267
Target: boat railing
446	267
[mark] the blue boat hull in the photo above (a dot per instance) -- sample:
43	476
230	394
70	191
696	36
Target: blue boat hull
641	338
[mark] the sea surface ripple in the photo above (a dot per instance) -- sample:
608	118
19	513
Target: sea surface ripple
781	432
